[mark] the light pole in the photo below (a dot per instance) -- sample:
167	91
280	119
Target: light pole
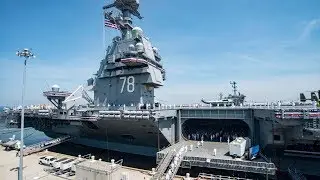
26	53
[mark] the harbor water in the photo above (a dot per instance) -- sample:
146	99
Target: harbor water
31	135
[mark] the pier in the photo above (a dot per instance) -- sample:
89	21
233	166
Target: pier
216	155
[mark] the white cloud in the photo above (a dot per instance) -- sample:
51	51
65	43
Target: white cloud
309	28
250	58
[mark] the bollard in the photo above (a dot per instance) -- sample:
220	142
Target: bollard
214	151
191	146
92	159
187	176
201	142
112	163
153	171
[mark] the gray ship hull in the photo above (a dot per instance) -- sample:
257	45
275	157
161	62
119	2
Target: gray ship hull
140	137
119	147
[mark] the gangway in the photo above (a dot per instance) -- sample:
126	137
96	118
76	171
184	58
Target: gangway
172	159
175	164
163	165
44	145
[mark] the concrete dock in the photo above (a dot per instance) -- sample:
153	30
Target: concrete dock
9	164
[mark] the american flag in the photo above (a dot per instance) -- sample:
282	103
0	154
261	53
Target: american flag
110	24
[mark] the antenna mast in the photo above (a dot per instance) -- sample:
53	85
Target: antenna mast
124	21
234	87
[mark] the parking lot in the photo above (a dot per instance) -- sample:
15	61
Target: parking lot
9	165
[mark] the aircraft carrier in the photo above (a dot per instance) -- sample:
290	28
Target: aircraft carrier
123	115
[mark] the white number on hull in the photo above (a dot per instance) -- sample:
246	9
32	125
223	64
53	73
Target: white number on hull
124	82
130	83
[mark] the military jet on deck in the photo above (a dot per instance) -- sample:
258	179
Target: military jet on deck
313	97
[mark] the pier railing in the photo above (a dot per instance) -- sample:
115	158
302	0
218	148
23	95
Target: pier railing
218	177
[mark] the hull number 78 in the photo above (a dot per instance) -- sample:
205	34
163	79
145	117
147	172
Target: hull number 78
127	82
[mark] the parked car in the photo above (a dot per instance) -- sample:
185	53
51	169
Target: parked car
47	160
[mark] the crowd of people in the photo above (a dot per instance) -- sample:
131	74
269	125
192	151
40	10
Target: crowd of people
215	133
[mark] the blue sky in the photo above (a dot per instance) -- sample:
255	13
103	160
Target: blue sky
271	48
